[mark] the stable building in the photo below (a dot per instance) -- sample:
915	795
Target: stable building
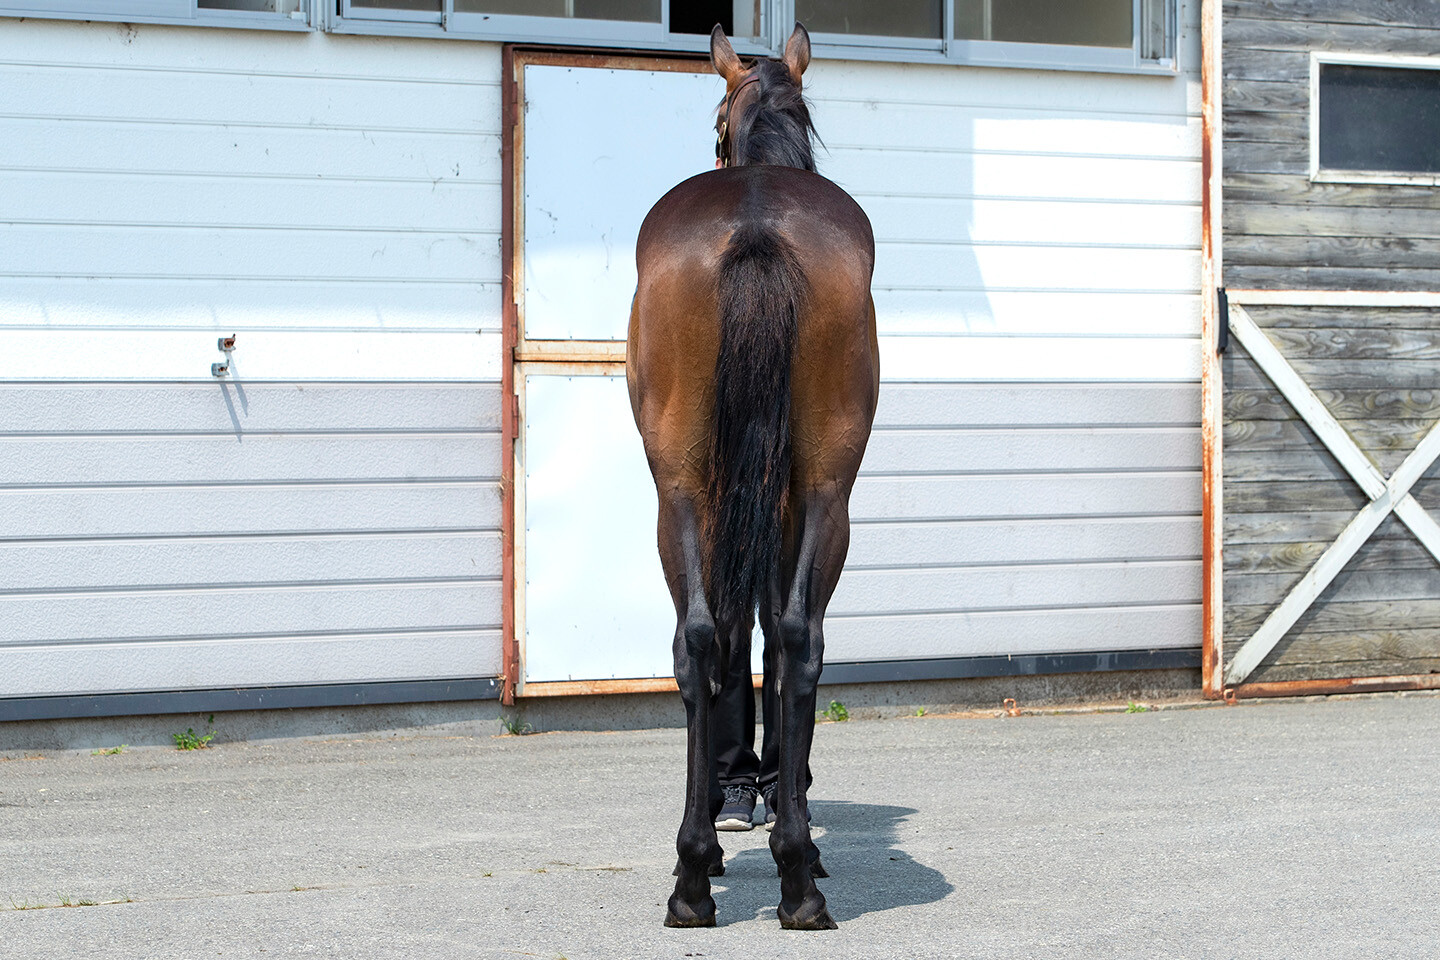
312	329
1321	382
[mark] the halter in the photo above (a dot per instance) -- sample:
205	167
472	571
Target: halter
722	144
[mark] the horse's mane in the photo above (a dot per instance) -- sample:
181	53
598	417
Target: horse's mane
775	128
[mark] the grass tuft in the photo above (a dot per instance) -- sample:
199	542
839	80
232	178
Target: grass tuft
190	740
514	726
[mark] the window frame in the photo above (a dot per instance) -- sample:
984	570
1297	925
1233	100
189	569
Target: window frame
634	35
1320	174
187	12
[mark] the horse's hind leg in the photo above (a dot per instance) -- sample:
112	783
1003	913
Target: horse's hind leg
824	537
695	665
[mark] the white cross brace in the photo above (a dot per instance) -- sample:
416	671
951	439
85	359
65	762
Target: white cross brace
1386	495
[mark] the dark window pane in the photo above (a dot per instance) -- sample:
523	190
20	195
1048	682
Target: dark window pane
1379	118
1088	23
424	6
894	18
700	17
647	11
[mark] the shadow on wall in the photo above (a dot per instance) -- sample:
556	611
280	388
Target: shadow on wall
869	871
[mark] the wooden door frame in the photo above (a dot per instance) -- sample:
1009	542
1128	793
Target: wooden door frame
521	356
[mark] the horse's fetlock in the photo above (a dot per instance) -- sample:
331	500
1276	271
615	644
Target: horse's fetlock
790	847
698	851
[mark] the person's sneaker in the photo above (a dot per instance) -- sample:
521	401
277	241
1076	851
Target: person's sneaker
768	794
739	810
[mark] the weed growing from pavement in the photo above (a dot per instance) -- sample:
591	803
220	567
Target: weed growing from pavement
920	712
836	712
1137	708
514	726
72	902
109	751
190	740
65	902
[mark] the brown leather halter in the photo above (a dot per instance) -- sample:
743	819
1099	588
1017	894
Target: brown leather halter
722	139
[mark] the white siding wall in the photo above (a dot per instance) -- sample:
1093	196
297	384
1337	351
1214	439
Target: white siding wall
1033	481
1032	484
158	179
330	512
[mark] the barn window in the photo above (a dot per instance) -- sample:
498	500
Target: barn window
1375	120
1109	35
274	14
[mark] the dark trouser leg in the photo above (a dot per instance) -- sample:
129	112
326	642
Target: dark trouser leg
733	721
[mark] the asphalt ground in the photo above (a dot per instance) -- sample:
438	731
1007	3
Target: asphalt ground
1301	829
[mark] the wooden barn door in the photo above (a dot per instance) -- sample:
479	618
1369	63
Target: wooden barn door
1331	434
1322	411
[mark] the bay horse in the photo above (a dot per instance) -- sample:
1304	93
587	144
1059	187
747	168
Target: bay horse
753	370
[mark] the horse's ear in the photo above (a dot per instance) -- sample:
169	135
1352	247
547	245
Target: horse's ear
797	52
722	56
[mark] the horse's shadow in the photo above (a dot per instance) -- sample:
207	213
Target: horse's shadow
868	870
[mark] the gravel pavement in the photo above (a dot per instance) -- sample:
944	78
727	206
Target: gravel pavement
1301	829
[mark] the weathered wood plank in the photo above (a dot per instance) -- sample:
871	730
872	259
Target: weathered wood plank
1357	343
1245	466
1259	436
1398	551
1322	526
1301	33
1422	405
1400	225
1241	187
1328	278
1240	125
1287	158
1296	496
1345	251
1367	584
1417	13
1352	318
1240	63
1247	94
1385	645
1337	617
1344	668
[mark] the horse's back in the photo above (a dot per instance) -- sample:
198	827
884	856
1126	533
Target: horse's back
815	215
675	321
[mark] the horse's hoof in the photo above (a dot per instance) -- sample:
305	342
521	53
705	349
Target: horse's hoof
681	914
808	918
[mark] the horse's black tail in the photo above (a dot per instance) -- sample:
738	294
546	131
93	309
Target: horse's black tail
762	290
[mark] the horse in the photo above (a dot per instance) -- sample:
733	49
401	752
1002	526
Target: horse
753	370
